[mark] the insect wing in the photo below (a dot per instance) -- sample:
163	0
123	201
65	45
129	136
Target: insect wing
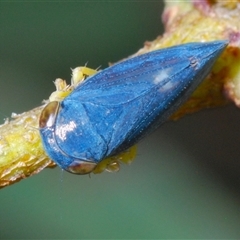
115	108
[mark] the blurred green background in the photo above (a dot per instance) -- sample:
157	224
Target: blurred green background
185	180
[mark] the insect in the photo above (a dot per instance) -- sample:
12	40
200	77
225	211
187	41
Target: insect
118	106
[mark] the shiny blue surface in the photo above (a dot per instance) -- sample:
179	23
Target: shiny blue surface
118	106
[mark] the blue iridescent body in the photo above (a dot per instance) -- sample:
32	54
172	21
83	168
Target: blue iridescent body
118	106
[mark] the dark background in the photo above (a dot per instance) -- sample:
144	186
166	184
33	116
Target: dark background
185	180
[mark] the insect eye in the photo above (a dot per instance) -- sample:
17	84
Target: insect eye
48	114
81	167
